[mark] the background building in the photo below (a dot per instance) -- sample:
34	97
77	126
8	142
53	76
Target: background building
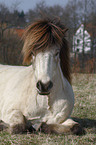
81	40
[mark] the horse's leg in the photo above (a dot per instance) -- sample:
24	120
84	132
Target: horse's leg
16	121
3	126
74	127
68	127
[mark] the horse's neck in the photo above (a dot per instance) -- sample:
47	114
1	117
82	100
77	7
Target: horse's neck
61	76
58	83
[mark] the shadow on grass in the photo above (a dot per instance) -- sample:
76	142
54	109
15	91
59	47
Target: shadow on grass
86	123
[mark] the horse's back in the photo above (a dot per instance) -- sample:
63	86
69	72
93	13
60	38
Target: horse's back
7	73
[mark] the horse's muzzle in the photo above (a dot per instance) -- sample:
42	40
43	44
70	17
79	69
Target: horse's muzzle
44	89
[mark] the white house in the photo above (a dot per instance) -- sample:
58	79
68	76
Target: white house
81	40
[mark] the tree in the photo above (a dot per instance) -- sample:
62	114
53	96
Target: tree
4	19
10	48
42	11
18	18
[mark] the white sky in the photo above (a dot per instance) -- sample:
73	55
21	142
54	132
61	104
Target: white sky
30	4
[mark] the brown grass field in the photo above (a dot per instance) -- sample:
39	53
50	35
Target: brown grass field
84	86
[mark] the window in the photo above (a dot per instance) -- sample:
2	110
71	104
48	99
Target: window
78	41
77	49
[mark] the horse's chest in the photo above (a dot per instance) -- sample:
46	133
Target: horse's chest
39	107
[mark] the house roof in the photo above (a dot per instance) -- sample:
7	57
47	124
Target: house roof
19	31
90	28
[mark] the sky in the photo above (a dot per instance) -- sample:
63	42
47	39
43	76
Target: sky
30	4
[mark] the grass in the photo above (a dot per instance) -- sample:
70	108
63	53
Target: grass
84	86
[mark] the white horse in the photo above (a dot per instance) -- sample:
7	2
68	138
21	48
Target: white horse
40	95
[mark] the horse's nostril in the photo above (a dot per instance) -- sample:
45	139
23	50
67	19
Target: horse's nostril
39	86
44	87
49	85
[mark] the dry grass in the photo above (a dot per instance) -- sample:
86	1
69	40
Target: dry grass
84	86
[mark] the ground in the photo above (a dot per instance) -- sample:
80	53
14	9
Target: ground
84	86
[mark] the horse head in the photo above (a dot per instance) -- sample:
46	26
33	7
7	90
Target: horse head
45	64
45	47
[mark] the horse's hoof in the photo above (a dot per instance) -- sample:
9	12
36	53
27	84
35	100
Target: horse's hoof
3	126
17	129
31	129
77	129
45	128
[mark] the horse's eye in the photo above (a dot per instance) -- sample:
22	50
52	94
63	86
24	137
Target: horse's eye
57	53
32	53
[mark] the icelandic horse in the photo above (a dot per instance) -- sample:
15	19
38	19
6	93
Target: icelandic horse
39	96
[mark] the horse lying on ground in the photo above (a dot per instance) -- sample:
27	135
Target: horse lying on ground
39	96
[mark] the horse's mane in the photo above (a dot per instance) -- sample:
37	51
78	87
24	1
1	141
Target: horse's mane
46	33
